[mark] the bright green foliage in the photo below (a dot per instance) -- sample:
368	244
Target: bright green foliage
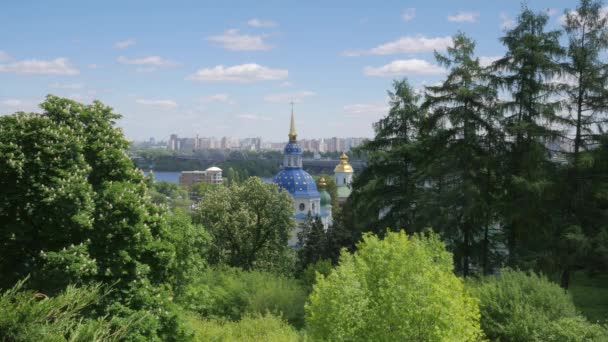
572	329
29	316
518	306
73	209
249	223
231	293
396	289
267	327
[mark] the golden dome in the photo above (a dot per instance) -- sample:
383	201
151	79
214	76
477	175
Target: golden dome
322	183
344	166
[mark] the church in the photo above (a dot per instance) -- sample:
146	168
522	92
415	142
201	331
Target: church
307	199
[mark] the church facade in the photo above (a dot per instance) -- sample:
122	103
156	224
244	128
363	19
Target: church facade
307	199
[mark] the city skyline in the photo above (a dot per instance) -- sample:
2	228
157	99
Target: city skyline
191	67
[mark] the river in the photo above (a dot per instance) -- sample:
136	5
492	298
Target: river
166	176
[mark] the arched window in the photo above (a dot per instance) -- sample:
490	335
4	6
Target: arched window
302	206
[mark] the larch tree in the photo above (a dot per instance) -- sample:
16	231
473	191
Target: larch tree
462	140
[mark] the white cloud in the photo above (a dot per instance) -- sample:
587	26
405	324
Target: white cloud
404	67
251	117
66	86
93	66
364	109
408	14
407	44
123	44
214	98
155	61
233	40
506	21
464	17
58	66
4	56
261	23
551	11
289	97
485	61
249	72
285	84
12	102
160	104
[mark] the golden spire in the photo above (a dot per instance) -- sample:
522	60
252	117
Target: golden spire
292	127
344	166
322	183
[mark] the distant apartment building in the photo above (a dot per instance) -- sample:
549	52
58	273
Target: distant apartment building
212	175
322	145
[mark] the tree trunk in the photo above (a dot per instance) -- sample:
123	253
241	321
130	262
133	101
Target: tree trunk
565	279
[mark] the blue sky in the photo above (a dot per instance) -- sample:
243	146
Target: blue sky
230	68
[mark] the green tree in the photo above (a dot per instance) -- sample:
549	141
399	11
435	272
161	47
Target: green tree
587	105
531	60
388	183
397	289
312	243
249	223
518	306
462	144
76	210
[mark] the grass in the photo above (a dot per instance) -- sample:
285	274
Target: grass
590	295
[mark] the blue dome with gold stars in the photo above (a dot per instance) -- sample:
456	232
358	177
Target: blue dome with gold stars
297	182
292	148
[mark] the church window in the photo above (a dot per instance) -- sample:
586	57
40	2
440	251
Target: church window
302	206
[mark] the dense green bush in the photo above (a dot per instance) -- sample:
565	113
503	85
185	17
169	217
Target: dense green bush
396	289
30	316
231	293
309	276
267	328
519	306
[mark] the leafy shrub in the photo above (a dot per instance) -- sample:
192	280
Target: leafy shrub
230	293
309	276
396	289
519	306
254	328
30	316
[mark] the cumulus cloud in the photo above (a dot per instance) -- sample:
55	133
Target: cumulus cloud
12	102
289	97
214	98
505	21
244	73
485	61
404	67
364	109
233	40
406	44
408	14
463	17
66	86
251	117
261	23
123	44
58	66
4	56
160	104
154	61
